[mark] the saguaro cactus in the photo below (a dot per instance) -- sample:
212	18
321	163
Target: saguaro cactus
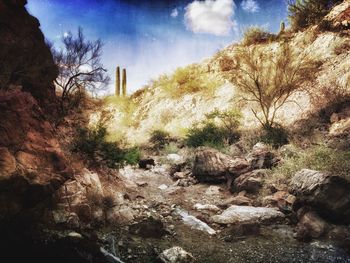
117	82
282	27
124	82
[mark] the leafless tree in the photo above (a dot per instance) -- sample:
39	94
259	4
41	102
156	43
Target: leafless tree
268	79
80	67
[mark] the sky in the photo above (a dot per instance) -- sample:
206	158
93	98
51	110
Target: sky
152	37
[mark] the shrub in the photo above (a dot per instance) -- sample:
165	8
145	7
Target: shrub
93	143
304	13
275	135
159	138
226	63
229	120
257	35
210	133
207	134
186	80
320	158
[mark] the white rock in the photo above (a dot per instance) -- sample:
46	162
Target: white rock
194	222
247	214
175	158
176	255
75	235
207	207
163	187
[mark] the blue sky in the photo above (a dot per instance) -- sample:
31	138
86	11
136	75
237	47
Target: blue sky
152	37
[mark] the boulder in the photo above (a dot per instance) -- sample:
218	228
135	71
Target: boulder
248	214
213	166
146	163
311	225
250	182
176	255
261	157
327	194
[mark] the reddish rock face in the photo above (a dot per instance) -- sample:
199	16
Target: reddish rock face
25	58
32	165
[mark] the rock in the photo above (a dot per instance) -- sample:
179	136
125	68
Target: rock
180	175
250	182
123	216
149	228
145	163
163	187
7	163
283	200
213	166
237	200
328	195
194	222
75	235
40	167
247	214
174	158
207	207
261	157
176	255
28	59
213	190
311	226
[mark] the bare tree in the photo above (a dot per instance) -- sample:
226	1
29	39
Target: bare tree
80	68
268	79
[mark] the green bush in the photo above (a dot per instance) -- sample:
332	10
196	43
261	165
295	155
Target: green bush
319	158
257	35
305	13
220	128
276	136
93	143
159	138
208	134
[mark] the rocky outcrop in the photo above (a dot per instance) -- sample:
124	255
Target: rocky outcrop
212	166
32	164
25	58
327	194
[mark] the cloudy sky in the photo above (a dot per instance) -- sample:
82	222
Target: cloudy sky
151	37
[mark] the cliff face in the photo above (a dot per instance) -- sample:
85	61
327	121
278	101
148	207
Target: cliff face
32	164
25	58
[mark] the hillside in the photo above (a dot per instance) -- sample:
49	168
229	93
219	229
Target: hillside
160	106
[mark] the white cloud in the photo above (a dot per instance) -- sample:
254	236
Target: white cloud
174	13
250	6
211	17
66	34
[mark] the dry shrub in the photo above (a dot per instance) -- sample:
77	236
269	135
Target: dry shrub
257	35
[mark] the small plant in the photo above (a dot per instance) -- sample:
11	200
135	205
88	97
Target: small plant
256	35
159	138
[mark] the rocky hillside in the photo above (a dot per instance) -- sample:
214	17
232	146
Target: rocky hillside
156	107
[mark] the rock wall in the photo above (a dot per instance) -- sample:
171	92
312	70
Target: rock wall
25	58
32	164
